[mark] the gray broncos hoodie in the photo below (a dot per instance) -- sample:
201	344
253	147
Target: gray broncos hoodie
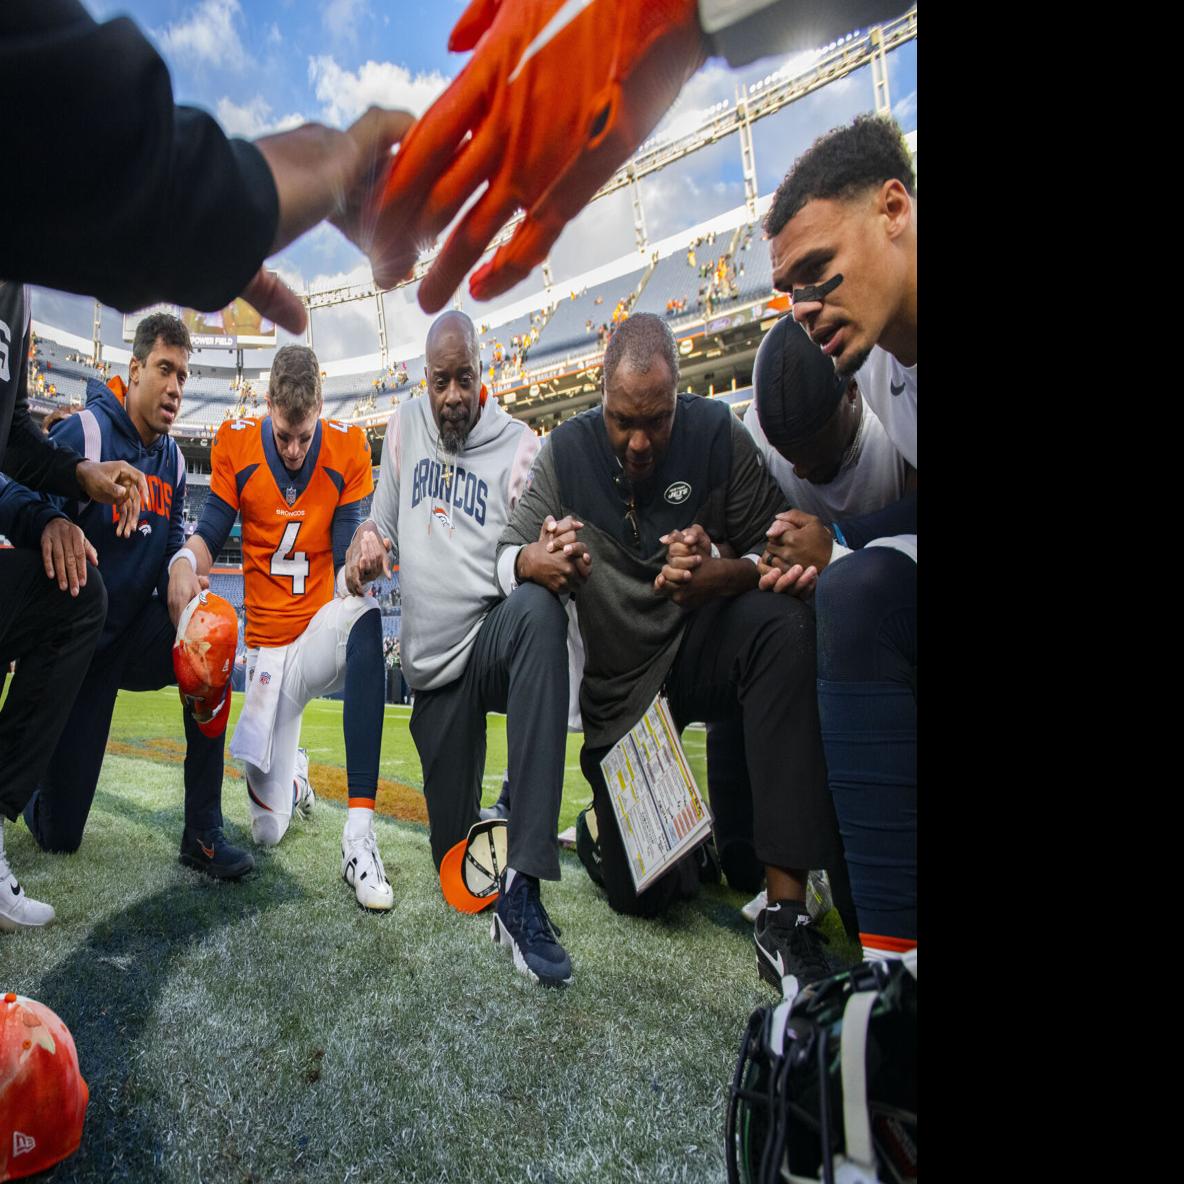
444	514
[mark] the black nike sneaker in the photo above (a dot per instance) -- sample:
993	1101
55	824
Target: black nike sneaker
215	856
788	942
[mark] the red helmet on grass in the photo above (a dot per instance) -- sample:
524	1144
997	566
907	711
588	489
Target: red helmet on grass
42	1094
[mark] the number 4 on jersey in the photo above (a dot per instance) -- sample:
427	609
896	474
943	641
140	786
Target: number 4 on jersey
287	561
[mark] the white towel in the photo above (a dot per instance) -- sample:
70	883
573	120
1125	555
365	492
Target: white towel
906	544
253	735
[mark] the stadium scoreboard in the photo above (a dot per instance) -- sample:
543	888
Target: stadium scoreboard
236	326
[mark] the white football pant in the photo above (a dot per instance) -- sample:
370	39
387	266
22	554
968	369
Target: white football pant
315	665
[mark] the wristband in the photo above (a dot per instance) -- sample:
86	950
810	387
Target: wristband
188	555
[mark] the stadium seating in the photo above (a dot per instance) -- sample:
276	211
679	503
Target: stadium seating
568	334
229	587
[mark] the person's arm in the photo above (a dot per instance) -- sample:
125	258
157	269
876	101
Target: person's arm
176	533
198	211
535	545
35	522
697	570
189	567
805	543
373	542
898	518
59	466
24	515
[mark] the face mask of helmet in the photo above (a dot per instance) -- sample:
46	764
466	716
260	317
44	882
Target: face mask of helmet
825	1089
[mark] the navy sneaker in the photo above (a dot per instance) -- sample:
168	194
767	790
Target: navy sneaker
788	942
521	923
215	856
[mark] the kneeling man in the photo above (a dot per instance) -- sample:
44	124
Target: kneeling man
298	482
454	465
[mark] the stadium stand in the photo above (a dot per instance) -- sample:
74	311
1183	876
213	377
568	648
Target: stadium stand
580	322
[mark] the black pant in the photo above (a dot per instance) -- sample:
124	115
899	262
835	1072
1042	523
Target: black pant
139	659
751	658
52	635
518	664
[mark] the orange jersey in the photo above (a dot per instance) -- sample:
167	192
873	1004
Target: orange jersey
287	519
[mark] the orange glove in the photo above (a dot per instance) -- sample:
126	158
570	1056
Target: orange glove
556	98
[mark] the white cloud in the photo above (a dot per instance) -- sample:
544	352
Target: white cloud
345	330
345	94
904	111
253	118
209	34
274	36
341	17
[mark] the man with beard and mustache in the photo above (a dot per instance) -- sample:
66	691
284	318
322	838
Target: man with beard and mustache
454	466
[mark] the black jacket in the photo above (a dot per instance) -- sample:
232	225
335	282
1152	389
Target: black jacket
160	207
25	454
712	474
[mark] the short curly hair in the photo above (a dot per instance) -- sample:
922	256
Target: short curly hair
842	163
159	326
640	339
294	386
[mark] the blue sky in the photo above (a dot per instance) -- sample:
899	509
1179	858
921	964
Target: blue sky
263	65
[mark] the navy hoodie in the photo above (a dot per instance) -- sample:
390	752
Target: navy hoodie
134	569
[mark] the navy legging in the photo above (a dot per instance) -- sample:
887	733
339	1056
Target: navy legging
866	606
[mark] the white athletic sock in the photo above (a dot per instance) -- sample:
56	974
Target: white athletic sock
360	822
510	874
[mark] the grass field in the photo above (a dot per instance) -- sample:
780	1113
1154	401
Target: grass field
272	1031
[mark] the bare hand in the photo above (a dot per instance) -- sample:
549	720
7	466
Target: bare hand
557	561
115	483
557	535
65	551
692	541
779	577
184	585
368	557
691	577
323	173
797	538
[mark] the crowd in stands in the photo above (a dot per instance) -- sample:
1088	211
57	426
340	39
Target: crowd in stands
510	345
246	399
701	281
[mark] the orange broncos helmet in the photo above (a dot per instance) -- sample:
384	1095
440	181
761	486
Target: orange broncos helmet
43	1097
203	659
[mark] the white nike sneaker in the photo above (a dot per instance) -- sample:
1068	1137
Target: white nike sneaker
18	911
303	798
752	909
362	870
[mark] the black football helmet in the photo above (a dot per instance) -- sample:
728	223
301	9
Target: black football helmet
825	1090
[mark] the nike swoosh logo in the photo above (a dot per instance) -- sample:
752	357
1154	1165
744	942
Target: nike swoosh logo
562	18
894	388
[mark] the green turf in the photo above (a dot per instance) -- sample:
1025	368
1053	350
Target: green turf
151	715
272	1031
